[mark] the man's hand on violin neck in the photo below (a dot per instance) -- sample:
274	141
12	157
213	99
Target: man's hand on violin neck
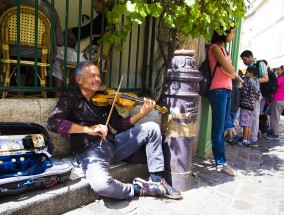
147	107
144	110
100	130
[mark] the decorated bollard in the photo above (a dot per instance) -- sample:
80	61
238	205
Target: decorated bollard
179	126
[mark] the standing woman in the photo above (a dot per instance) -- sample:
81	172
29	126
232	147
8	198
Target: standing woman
220	95
277	106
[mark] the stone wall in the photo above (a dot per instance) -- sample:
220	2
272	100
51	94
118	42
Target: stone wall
37	111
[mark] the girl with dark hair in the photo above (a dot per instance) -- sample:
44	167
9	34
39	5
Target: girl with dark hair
220	96
277	106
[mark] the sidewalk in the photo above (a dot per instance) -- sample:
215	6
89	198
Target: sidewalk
258	188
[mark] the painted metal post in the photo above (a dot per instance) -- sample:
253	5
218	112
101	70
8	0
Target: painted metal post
179	126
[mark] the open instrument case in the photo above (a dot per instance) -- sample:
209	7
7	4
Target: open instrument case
25	159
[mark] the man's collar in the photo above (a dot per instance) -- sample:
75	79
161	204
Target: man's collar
254	62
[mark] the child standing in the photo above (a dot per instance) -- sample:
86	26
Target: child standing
232	137
250	94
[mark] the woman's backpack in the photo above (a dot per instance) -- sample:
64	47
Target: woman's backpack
205	82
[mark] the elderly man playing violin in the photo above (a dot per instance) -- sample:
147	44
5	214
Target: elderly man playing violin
75	115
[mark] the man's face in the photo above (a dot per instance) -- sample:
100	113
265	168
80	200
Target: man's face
247	60
98	6
90	79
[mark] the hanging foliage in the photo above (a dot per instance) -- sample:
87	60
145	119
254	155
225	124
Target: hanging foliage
189	17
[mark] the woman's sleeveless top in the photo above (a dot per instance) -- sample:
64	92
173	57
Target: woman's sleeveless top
220	79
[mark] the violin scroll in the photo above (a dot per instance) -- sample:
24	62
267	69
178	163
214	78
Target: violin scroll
162	110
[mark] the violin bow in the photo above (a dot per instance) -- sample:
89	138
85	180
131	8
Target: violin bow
113	103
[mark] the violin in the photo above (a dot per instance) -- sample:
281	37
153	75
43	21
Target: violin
124	100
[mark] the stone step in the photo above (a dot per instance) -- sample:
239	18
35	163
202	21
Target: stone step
66	196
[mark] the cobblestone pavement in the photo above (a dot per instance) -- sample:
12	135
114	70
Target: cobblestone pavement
258	189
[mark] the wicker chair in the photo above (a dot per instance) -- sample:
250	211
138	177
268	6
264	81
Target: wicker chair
105	55
8	24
